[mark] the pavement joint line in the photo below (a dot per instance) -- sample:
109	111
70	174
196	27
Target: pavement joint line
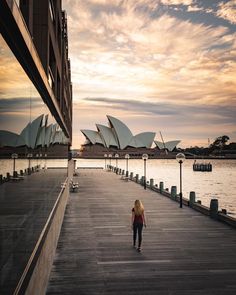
132	262
110	226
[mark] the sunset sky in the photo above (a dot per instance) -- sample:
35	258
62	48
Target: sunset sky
157	65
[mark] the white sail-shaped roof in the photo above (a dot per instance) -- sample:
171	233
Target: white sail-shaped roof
93	136
145	138
11	139
48	133
30	132
41	137
65	140
58	137
122	132
135	142
169	145
107	135
53	132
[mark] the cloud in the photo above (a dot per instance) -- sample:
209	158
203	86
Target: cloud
227	11
194	8
177	2
216	112
135	52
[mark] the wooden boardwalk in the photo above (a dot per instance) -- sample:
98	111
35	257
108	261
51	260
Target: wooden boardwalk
184	252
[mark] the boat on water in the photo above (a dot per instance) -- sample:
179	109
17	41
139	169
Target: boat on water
203	167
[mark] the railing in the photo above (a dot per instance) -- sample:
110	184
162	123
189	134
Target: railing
30	267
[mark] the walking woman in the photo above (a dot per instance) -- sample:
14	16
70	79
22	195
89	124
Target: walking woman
138	221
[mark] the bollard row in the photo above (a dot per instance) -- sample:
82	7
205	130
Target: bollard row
212	211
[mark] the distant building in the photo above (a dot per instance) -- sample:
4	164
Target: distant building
117	135
117	138
35	123
35	42
168	146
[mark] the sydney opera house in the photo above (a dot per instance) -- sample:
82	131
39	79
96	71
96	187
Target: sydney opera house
38	136
117	137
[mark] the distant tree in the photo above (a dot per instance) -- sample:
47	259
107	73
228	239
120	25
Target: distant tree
219	143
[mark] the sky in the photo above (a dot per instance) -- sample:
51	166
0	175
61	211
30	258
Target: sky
157	65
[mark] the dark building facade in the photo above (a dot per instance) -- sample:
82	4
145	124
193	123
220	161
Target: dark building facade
34	39
35	134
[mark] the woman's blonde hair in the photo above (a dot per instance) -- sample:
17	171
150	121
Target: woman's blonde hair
138	207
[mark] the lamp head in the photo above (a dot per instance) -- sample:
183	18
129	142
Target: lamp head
127	156
105	155
14	156
116	155
110	155
144	156
180	157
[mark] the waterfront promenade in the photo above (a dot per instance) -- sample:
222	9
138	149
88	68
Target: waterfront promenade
184	252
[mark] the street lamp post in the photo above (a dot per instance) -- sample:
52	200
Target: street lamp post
110	156
14	157
29	156
45	165
127	164
180	159
37	157
145	157
116	156
105	157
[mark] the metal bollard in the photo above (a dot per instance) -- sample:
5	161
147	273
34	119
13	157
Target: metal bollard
131	175
161	187
173	192
142	180
192	198
137	178
214	208
151	182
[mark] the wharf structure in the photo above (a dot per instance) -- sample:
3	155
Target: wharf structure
183	251
36	123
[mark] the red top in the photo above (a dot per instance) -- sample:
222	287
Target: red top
137	218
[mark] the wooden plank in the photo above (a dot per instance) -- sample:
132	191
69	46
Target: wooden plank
184	252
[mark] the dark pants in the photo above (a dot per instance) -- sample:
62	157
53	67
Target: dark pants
137	228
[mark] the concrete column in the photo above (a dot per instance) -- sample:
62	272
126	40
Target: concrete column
192	198
173	192
161	187
214	208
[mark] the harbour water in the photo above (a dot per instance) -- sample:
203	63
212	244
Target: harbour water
220	183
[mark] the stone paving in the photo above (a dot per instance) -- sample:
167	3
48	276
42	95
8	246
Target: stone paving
184	252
